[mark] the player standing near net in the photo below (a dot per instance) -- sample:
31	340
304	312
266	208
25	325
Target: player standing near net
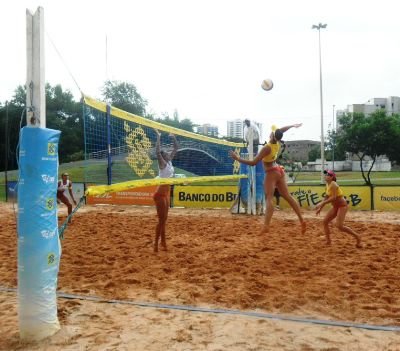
334	195
62	186
274	175
162	194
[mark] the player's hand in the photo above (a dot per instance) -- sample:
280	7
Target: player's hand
318	211
75	202
234	155
297	125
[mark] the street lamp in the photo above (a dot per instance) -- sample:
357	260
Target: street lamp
319	27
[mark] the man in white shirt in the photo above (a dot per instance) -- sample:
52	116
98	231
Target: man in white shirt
251	127
248	128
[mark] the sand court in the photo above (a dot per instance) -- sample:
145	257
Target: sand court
216	260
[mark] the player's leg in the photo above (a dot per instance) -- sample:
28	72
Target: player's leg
329	217
284	192
341	216
269	186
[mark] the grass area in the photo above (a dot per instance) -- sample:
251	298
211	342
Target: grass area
352	178
2	192
122	172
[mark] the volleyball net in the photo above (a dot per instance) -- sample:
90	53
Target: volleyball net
120	152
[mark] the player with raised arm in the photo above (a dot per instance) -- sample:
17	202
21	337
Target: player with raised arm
274	175
162	194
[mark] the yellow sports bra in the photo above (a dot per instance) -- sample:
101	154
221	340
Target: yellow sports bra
274	152
339	192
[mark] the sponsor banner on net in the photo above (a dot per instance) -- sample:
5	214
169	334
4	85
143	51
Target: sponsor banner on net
135	196
204	196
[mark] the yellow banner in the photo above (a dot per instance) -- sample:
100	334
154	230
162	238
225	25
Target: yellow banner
103	189
204	196
358	197
387	198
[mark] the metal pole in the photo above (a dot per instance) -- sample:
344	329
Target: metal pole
319	27
322	110
35	80
333	139
6	151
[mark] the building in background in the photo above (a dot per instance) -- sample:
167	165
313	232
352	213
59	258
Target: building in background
390	104
207	129
236	126
298	150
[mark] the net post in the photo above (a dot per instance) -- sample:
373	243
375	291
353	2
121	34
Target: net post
35	81
38	245
109	164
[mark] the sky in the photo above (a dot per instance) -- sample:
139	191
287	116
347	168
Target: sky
207	59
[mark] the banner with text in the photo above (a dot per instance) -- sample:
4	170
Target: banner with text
204	196
387	198
358	197
135	196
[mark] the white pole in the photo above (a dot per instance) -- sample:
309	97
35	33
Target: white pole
38	243
319	27
35	81
322	111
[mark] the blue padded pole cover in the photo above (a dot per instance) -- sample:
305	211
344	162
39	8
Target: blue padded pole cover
39	247
260	182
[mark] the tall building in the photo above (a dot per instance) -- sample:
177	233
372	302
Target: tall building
391	104
236	126
298	150
207	129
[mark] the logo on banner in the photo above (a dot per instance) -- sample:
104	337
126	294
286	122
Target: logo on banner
49	289
50	204
47	179
104	196
139	146
51	258
48	234
51	149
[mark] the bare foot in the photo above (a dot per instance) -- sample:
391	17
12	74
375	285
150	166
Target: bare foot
155	248
264	230
303	227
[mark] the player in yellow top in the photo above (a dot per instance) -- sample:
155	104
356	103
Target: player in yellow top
334	195
274	175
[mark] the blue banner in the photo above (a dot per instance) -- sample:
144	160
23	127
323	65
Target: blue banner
39	248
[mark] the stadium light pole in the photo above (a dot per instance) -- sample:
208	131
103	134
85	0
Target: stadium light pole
319	27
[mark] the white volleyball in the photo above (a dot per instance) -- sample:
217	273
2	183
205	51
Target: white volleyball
267	84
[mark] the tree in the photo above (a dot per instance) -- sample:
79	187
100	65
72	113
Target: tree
373	136
62	113
314	153
185	124
331	149
292	168
125	96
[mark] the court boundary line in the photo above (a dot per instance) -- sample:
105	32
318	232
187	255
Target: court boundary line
223	311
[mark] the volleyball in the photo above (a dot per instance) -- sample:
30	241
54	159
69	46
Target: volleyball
267	84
